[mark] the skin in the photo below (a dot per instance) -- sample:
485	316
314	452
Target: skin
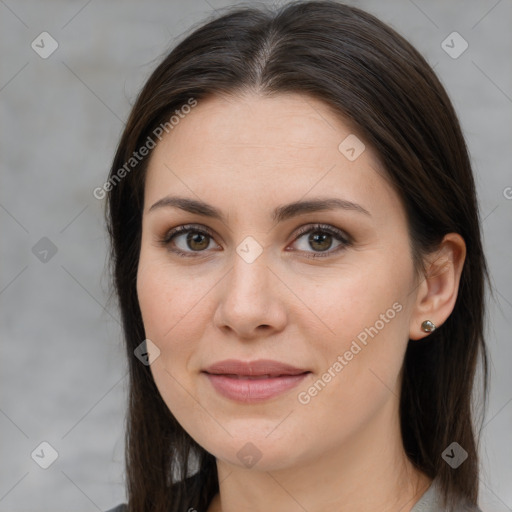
246	155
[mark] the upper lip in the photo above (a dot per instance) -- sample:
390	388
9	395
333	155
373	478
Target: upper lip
253	368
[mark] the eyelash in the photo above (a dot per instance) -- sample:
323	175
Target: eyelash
315	228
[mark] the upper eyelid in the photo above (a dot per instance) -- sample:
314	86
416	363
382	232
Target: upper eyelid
322	226
184	228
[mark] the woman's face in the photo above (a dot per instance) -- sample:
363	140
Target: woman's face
262	281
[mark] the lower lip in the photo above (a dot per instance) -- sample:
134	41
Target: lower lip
253	390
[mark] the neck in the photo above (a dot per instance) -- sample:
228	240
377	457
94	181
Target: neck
369	471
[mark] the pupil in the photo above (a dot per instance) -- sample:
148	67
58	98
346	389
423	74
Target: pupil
197	238
315	239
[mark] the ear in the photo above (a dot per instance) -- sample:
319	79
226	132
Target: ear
437	292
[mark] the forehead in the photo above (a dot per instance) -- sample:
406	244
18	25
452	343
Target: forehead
251	122
252	146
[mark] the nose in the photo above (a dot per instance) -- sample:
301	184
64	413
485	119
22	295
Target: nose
252	300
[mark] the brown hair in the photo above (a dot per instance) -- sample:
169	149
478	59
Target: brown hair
376	80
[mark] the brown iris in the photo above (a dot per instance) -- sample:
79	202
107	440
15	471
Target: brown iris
197	238
317	241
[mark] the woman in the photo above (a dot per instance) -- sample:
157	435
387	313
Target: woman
296	251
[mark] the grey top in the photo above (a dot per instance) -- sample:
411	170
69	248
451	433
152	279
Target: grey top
430	501
119	508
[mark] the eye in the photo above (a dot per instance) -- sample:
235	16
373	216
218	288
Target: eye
320	238
187	240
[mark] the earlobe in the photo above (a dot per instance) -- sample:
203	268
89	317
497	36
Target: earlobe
437	293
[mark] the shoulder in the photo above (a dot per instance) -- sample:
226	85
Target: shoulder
191	482
431	502
123	507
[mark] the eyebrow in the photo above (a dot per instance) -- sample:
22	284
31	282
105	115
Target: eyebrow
280	214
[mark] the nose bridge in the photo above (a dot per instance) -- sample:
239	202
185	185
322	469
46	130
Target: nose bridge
249	279
249	297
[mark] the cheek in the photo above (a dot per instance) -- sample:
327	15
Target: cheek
165	296
168	315
365	316
168	306
155	299
361	361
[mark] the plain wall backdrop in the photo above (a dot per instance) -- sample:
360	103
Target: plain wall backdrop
63	369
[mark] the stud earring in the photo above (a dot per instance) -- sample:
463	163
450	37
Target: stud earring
428	326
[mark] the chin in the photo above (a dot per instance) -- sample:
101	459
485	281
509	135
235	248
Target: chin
255	451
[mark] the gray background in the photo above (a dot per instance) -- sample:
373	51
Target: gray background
63	373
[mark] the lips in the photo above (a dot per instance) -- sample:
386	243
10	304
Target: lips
253	381
260	368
